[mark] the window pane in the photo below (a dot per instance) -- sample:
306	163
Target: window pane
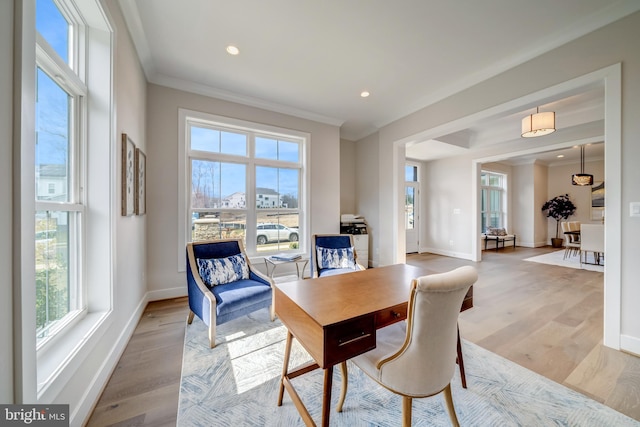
495	200
216	141
52	269
289	151
411	173
53	27
483	179
273	149
233	143
266	148
52	140
277	188
483	200
210	225
495	181
277	231
409	207
218	185
204	139
483	221
495	220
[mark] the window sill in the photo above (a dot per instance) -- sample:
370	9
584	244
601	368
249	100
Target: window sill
59	362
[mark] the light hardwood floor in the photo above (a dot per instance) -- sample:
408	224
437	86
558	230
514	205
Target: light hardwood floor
545	318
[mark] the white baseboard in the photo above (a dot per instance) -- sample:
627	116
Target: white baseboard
630	344
452	254
100	380
178	292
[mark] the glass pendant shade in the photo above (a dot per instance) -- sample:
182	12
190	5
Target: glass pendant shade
539	124
582	178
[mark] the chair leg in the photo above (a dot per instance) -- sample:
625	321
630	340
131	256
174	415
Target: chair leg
343	391
272	312
406	411
460	361
450	409
212	335
190	317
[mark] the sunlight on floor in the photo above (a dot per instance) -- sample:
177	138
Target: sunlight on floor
257	358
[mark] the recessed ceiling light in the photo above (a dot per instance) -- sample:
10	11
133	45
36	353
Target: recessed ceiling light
364	94
232	50
560	156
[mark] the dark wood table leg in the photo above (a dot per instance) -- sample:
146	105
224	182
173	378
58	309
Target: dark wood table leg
461	362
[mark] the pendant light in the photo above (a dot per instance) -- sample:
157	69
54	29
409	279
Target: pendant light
582	178
538	124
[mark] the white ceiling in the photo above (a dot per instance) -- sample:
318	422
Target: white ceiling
312	59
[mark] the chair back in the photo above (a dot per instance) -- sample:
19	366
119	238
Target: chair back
566	227
574	226
592	238
207	250
329	241
216	249
425	363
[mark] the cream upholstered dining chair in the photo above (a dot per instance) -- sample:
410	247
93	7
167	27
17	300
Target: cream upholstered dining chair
592	240
571	241
417	358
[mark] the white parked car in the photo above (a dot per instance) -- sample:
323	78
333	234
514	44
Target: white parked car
275	233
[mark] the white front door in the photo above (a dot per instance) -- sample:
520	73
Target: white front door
411	215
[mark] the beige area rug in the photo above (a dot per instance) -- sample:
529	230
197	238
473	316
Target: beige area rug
557	258
236	384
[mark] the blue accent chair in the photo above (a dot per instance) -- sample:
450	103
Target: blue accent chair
221	303
332	241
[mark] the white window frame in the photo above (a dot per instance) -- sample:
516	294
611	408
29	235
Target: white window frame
66	77
502	198
251	129
57	360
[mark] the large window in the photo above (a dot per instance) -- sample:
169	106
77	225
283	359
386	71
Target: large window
244	181
493	200
59	151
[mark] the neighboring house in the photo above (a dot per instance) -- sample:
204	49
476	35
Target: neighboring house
265	198
268	198
52	183
236	200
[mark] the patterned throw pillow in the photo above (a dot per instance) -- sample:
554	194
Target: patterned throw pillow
335	258
218	271
491	231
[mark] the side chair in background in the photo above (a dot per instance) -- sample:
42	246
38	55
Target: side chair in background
333	254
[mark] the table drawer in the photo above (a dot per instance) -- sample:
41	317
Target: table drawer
348	339
391	315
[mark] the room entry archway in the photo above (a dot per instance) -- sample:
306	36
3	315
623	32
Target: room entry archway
610	77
